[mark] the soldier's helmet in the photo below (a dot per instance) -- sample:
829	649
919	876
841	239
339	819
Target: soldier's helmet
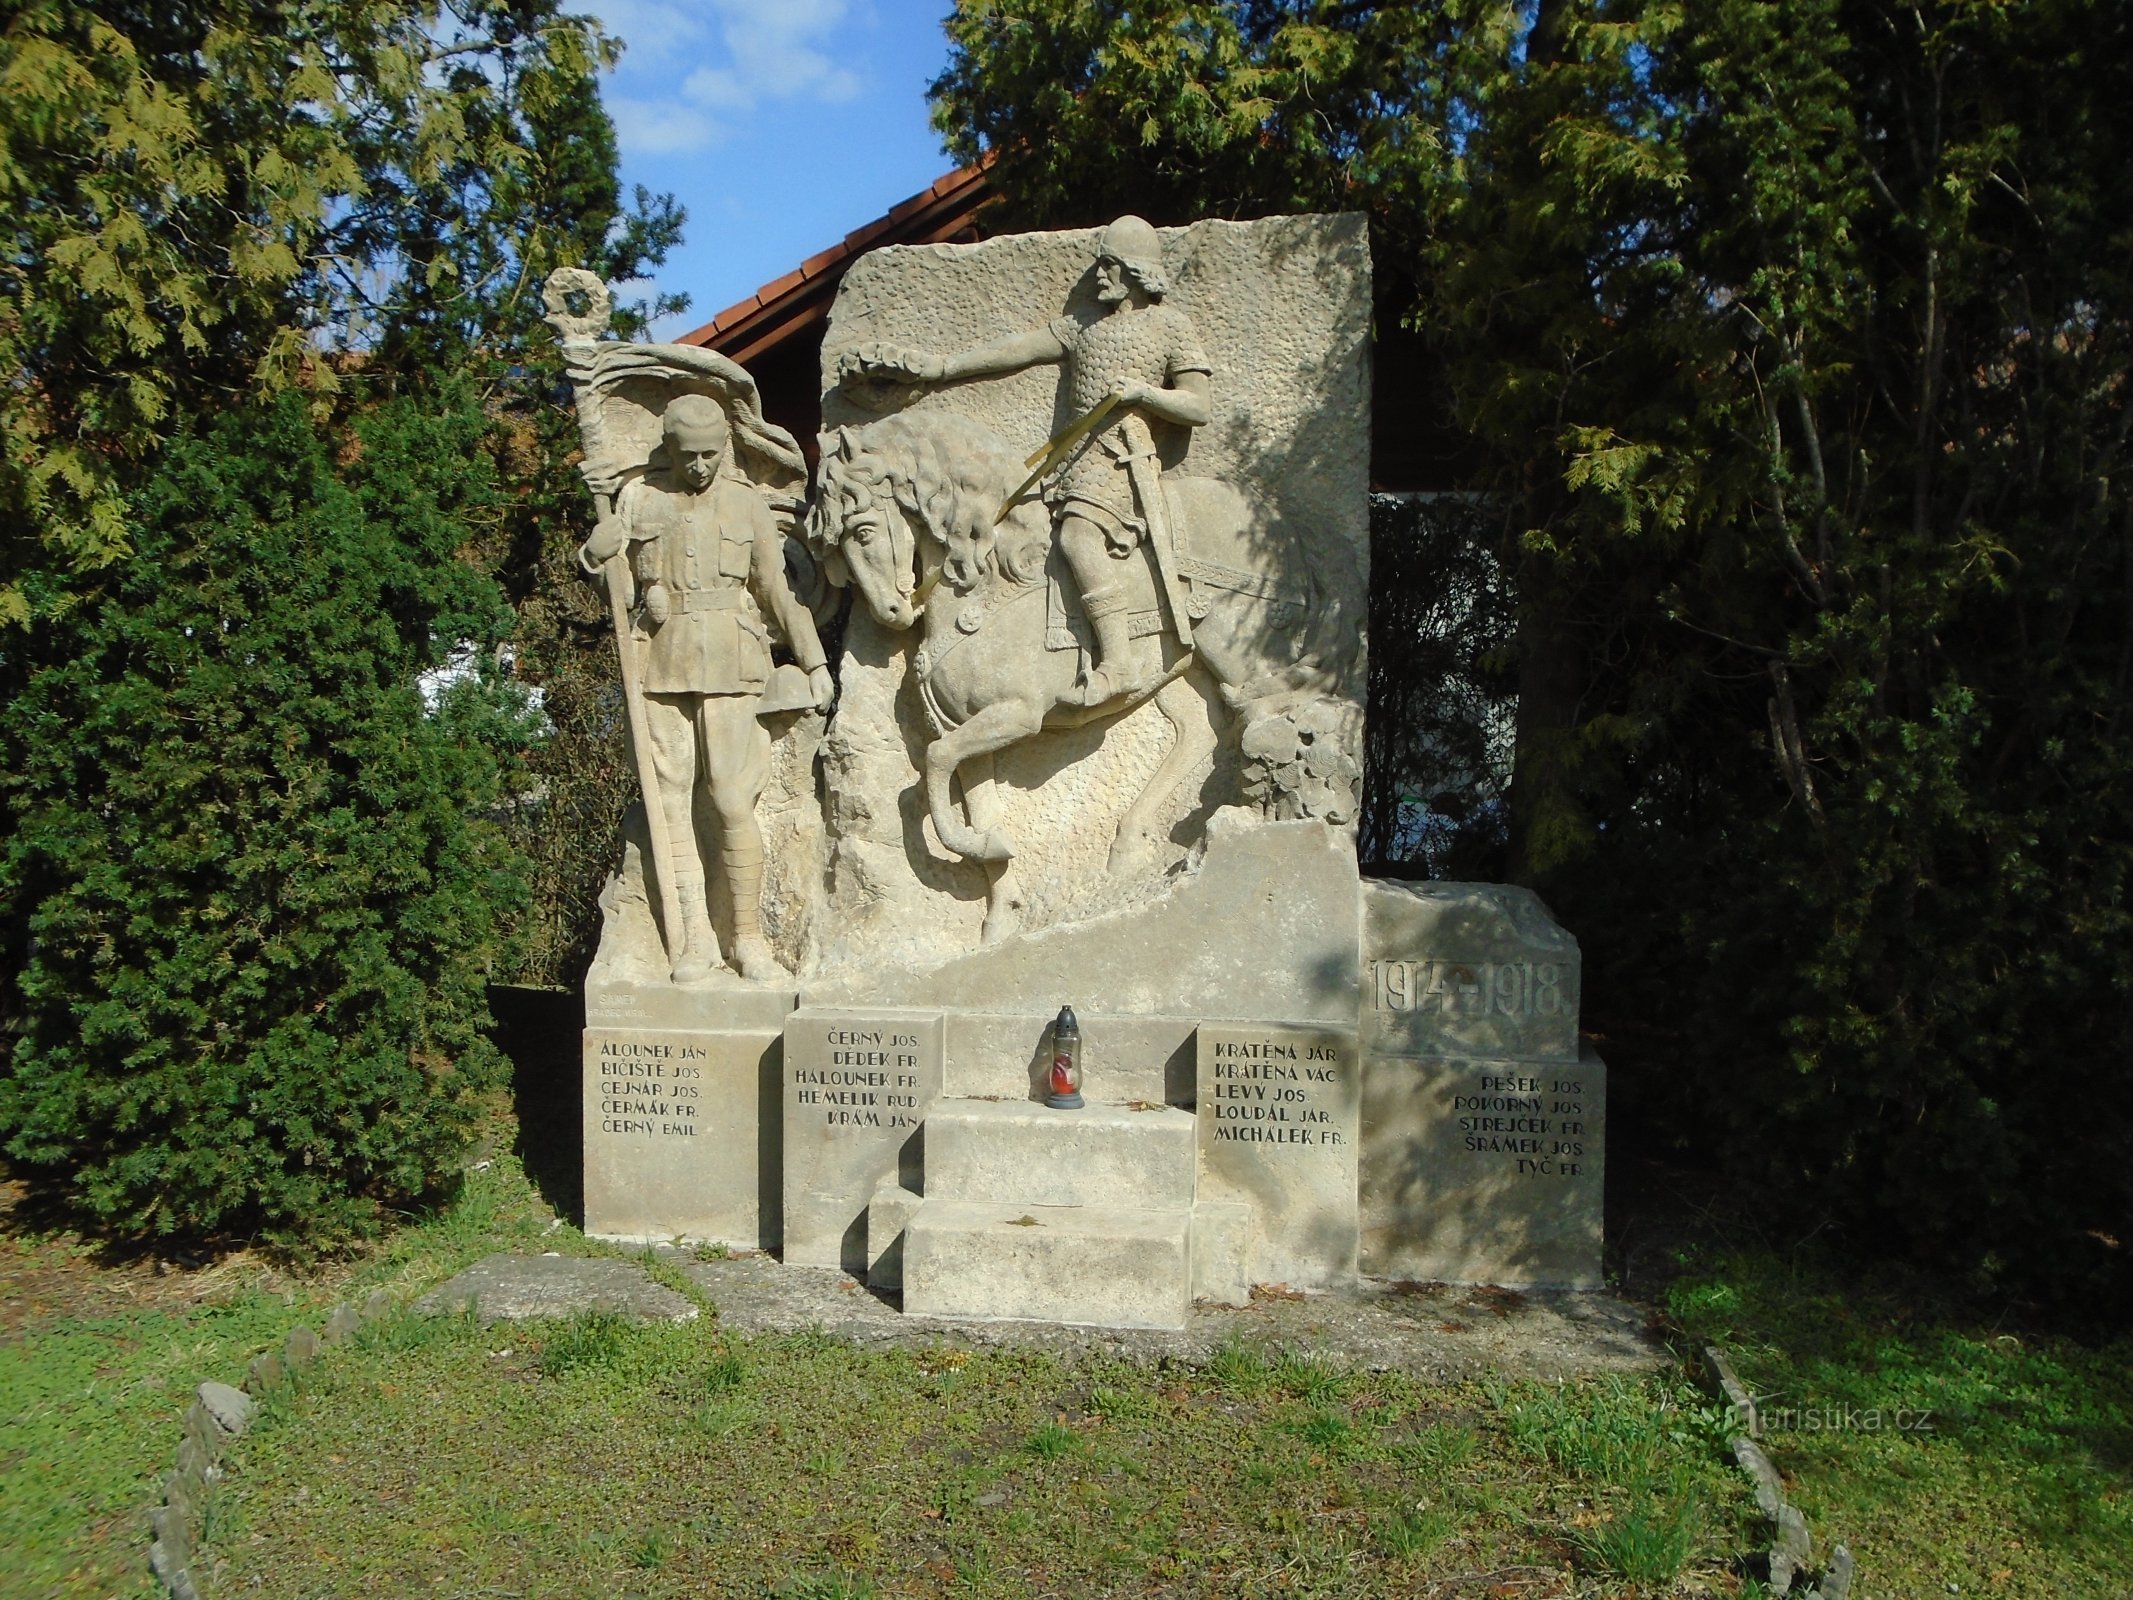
1134	245
695	422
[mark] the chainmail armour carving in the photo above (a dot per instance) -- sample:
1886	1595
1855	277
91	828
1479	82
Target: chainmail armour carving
1152	347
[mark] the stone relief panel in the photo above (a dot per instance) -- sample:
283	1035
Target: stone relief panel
1044	698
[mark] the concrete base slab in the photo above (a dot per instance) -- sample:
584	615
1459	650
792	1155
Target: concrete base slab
1436	1332
1015	1152
508	1288
1090	1266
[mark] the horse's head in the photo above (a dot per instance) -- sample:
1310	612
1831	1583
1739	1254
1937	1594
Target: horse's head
912	501
863	533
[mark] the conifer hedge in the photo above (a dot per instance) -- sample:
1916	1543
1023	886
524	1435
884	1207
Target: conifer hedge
258	885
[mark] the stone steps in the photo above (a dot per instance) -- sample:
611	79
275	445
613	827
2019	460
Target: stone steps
1106	1266
1036	1215
1018	1152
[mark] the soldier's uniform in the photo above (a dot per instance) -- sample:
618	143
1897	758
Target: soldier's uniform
708	566
719	558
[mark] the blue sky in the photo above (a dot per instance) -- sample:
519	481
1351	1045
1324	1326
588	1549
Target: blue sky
780	124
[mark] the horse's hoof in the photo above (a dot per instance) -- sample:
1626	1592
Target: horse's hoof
1107	686
996	846
1003	922
1130	853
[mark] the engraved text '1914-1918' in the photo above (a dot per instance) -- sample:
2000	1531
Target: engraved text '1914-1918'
1471	988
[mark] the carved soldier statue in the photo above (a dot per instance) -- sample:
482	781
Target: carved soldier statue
1141	355
707	557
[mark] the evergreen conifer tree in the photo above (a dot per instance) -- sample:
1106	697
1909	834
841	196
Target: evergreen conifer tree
1789	340
251	884
262	894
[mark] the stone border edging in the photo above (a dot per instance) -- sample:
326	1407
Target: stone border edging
1792	1550
217	1415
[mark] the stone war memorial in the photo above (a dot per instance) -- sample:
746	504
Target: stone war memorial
1018	961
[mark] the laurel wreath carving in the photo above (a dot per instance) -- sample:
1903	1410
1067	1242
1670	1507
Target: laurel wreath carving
572	327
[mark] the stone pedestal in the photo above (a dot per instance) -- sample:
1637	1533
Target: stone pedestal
858	1085
1279	1134
1094	1266
681	1112
1033	1214
1484	1127
1485	1171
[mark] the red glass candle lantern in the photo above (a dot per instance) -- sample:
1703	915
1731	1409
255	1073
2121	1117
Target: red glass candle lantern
1065	1083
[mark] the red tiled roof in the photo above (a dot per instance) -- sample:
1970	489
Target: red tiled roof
802	297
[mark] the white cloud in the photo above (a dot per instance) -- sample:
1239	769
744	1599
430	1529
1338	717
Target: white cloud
744	54
662	127
652	29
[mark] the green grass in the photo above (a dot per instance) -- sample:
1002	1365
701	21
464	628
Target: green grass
829	1469
584	1343
89	1424
1649	1538
97	1364
1941	1452
591	1456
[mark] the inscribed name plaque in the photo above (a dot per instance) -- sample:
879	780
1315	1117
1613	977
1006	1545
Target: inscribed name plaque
858	1085
1485	1171
1278	1124
674	1135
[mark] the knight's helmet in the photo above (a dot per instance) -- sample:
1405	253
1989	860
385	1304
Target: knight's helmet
695	422
1134	245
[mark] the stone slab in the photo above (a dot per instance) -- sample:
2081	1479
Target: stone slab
1278	1132
508	1288
721	1003
889	1213
1123	1058
1094	1266
681	1135
1484	1171
231	1408
1837	1581
1763	1477
1467	969
1267	925
1441	1332
1013	1152
858	1085
1222	1252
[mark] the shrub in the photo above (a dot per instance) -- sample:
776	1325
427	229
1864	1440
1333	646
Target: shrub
252	898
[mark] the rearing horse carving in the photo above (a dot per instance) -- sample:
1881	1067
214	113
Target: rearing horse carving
905	513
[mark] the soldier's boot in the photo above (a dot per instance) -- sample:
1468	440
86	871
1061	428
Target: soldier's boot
698	952
1109	674
752	955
